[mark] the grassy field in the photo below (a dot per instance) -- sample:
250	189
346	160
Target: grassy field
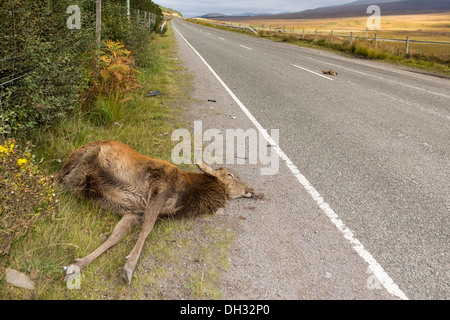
182	259
412	22
433	27
424	27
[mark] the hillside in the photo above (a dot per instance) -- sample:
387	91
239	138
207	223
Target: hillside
369	2
220	15
358	8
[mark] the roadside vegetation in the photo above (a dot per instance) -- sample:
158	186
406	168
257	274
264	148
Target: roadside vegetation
44	228
426	57
386	51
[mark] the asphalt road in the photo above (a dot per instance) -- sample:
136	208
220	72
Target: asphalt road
373	141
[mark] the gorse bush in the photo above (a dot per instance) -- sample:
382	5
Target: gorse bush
25	193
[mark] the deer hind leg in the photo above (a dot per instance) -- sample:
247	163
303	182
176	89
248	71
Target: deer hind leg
127	223
151	212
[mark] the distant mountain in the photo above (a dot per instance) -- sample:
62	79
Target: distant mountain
213	15
358	8
220	15
369	2
250	14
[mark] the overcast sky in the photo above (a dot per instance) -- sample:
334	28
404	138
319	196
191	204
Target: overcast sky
191	8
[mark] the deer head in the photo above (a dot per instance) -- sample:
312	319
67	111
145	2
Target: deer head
235	188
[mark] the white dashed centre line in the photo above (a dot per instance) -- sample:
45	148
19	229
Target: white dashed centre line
246	47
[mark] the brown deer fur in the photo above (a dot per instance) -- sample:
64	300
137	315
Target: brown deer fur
330	72
141	188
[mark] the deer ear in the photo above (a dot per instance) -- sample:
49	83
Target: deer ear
204	167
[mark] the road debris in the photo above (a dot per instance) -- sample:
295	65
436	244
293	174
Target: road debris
153	93
19	279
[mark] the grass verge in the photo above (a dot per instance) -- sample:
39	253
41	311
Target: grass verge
182	259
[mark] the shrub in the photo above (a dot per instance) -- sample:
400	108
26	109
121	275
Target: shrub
25	193
43	62
114	75
42	59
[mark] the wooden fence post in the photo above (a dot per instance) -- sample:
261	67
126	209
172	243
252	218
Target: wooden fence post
407	44
128	10
303	33
316	34
98	22
331	38
376	40
351	38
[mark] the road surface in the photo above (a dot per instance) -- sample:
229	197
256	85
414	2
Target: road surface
360	206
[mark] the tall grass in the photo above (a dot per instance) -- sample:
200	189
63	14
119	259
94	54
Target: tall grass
110	110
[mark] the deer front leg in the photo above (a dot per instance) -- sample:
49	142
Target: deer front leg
151	212
120	230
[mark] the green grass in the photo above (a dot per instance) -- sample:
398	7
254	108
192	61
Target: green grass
110	110
180	259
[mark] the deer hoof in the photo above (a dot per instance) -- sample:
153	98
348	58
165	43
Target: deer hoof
127	273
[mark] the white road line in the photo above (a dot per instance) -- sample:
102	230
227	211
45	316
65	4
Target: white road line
374	266
221	38
312	72
246	47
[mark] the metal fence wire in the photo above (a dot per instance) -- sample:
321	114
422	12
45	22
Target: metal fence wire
315	34
41	47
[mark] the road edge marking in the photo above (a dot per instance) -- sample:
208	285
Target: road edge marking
374	266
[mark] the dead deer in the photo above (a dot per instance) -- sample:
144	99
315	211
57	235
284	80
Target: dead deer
140	189
330	72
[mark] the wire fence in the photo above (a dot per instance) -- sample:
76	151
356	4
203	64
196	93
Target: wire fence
341	35
42	44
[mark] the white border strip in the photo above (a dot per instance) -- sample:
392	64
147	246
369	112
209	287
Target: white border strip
374	266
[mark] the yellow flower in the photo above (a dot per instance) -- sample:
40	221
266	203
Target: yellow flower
21	161
3	149
11	147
